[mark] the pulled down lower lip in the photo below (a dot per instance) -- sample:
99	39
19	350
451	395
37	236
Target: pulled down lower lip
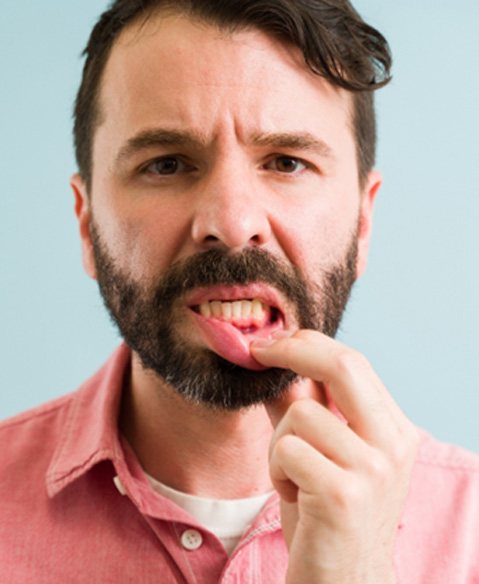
232	340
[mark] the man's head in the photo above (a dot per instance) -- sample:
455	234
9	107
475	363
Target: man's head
333	39
221	195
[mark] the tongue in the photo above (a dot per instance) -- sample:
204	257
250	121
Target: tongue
229	342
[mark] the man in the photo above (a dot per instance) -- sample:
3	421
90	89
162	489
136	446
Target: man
224	198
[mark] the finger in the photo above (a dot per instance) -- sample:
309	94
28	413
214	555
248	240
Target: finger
353	385
320	428
303	389
296	466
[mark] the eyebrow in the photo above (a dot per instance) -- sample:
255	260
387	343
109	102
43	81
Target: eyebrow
295	141
161	137
158	137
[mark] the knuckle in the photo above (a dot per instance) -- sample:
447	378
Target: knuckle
403	453
306	335
349	362
399	455
284	446
378	468
348	497
300	409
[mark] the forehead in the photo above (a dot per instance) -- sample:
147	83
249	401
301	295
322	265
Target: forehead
172	70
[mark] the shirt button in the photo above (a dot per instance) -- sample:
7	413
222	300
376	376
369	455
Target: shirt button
191	539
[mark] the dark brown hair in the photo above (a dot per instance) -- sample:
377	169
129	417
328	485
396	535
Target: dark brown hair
335	41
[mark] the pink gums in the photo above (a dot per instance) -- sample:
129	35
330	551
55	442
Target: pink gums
231	339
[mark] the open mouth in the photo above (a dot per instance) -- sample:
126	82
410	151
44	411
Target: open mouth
230	319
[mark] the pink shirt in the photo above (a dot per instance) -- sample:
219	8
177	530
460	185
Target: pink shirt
64	520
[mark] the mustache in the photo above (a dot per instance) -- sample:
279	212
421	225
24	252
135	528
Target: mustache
218	267
318	303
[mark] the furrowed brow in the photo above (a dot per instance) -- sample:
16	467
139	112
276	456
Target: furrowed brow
303	141
157	137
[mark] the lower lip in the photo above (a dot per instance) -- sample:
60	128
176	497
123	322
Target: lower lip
230	343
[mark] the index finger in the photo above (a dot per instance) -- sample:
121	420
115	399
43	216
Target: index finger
354	387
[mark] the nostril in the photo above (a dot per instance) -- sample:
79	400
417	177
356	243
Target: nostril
244	225
256	239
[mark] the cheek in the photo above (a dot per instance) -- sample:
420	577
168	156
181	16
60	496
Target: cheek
143	244
149	247
319	233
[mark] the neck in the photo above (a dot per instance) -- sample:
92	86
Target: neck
192	448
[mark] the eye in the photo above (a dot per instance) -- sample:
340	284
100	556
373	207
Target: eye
287	164
167	166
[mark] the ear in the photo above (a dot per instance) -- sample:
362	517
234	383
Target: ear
368	196
83	213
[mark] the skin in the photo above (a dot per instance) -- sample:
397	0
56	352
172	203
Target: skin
342	486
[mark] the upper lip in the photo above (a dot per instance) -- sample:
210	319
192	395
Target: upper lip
263	292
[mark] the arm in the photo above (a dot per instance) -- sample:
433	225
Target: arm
342	485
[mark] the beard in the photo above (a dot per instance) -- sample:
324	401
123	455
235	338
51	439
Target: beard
147	317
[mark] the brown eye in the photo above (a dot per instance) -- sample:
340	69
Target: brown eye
287	165
165	166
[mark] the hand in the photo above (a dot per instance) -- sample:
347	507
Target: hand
342	483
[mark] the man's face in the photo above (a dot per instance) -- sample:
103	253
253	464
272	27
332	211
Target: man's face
225	144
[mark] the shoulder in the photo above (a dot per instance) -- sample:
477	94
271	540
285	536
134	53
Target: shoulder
62	435
439	531
445	483
40	429
30	439
445	457
35	419
34	416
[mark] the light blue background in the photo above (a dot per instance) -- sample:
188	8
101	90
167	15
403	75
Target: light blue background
415	314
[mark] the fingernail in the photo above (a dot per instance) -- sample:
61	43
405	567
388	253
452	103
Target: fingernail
262	343
282	334
274	337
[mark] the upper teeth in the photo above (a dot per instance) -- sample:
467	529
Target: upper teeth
254	309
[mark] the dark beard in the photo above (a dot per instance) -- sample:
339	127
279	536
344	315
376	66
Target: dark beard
145	316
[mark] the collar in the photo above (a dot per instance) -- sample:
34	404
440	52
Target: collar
89	432
89	435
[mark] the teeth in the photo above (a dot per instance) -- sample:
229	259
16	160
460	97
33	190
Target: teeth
227	308
237	306
239	309
246	308
216	308
257	309
205	309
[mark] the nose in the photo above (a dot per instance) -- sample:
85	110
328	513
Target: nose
230	211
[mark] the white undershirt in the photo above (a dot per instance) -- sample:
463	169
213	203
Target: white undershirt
228	519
